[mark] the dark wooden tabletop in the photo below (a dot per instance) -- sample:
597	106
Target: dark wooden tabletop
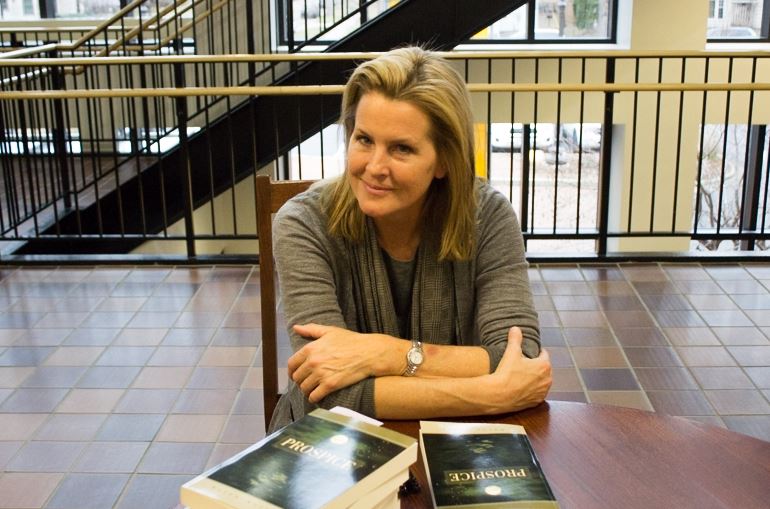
601	456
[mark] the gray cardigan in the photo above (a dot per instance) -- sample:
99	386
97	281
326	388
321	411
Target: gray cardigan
314	270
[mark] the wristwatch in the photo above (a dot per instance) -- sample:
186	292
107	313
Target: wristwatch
414	358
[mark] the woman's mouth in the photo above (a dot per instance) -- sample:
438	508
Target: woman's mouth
375	189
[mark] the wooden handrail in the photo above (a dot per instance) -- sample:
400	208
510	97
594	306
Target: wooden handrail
452	55
54	28
337	89
184	28
120	43
103	25
146	26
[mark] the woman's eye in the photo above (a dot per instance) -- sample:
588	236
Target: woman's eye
403	149
364	140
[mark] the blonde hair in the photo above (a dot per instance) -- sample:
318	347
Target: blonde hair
429	83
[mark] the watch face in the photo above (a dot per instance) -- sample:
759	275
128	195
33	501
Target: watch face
415	356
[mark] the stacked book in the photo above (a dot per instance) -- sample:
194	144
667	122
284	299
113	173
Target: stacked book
482	466
324	460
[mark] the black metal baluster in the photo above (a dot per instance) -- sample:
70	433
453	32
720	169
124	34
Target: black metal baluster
60	143
115	154
655	148
210	167
160	120
525	147
751	170
181	117
767	183
580	145
698	183
6	166
231	148
678	147
724	147
557	129
605	161
633	149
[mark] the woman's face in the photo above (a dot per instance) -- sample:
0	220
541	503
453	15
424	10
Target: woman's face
391	160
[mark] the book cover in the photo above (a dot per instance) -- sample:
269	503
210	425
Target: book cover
479	465
324	460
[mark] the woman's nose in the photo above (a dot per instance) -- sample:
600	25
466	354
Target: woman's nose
378	161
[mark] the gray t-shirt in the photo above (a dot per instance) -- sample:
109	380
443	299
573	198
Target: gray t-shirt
401	279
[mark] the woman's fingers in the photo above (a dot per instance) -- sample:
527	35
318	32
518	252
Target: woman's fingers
308	384
312	330
294	362
317	386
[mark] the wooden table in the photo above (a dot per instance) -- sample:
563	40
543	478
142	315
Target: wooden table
602	456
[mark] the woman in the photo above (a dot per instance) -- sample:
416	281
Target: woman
403	282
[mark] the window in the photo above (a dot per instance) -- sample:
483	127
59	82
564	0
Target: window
555	21
84	9
321	22
738	20
92	9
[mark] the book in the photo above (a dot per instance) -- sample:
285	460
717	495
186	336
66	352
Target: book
482	465
385	496
323	460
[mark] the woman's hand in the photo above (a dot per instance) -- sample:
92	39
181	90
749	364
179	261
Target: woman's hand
519	382
337	358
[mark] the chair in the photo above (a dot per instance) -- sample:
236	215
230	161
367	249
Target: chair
270	197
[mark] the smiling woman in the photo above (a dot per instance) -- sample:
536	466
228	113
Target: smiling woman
403	281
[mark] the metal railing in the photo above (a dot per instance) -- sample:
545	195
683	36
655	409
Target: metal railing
602	154
143	27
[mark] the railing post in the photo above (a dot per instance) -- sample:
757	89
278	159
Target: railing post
363	10
8	178
59	136
756	141
605	163
25	165
181	117
145	102
525	161
250	46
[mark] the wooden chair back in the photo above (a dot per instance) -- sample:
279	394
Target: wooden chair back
270	197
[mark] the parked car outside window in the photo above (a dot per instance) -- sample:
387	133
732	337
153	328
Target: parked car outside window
731	33
506	137
588	138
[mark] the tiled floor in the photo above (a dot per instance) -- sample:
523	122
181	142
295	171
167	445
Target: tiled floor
124	382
